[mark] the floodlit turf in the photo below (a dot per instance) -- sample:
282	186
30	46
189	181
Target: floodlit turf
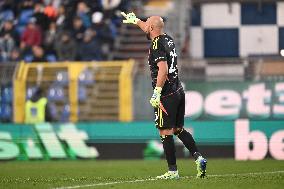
43	174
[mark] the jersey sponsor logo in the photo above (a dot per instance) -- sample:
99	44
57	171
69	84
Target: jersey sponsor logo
155	43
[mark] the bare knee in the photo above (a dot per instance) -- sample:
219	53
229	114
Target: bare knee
166	131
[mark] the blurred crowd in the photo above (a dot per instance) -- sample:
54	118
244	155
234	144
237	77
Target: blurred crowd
58	30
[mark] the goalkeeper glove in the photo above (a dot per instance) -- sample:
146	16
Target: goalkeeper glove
155	99
130	18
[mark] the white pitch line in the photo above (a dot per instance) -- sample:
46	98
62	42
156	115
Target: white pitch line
153	179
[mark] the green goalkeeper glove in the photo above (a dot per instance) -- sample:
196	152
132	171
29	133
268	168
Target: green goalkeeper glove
156	97
130	18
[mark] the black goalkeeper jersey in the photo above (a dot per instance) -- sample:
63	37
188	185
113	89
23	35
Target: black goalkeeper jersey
163	49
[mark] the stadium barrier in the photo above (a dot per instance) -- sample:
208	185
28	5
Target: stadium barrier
221	100
121	140
6	91
102	90
228	100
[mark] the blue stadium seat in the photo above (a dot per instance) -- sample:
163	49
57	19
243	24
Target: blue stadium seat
0	94
65	113
53	110
28	58
82	94
30	92
7	95
86	77
62	78
56	94
1	113
51	58
7	15
5	112
20	29
25	16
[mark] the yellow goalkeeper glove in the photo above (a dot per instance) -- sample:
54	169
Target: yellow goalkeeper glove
156	97
130	18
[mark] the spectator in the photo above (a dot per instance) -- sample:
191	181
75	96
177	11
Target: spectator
50	38
15	55
83	12
37	109
106	32
8	28
42	20
8	37
31	36
6	12
1	58
78	29
50	12
26	4
110	5
38	54
66	48
90	48
124	5
53	3
96	5
105	29
60	22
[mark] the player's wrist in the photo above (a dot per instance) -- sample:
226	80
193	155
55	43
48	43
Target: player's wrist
158	90
136	20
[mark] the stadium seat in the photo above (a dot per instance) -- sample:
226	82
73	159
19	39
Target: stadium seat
7	95
65	113
1	113
24	17
51	58
7	15
30	92
82	94
5	112
53	110
62	78
28	58
56	94
86	77
20	29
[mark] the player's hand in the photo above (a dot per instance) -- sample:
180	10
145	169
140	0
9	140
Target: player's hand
130	18
156	97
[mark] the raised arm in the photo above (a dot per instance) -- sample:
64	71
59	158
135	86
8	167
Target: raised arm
131	18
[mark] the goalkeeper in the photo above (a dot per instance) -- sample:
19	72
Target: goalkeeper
168	97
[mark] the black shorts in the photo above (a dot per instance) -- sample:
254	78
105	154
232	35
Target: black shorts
171	113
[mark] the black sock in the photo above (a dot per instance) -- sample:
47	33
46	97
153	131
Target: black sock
188	142
170	151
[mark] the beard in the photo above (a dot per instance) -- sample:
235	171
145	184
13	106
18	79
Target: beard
148	36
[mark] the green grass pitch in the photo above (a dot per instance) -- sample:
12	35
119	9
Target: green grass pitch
222	173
